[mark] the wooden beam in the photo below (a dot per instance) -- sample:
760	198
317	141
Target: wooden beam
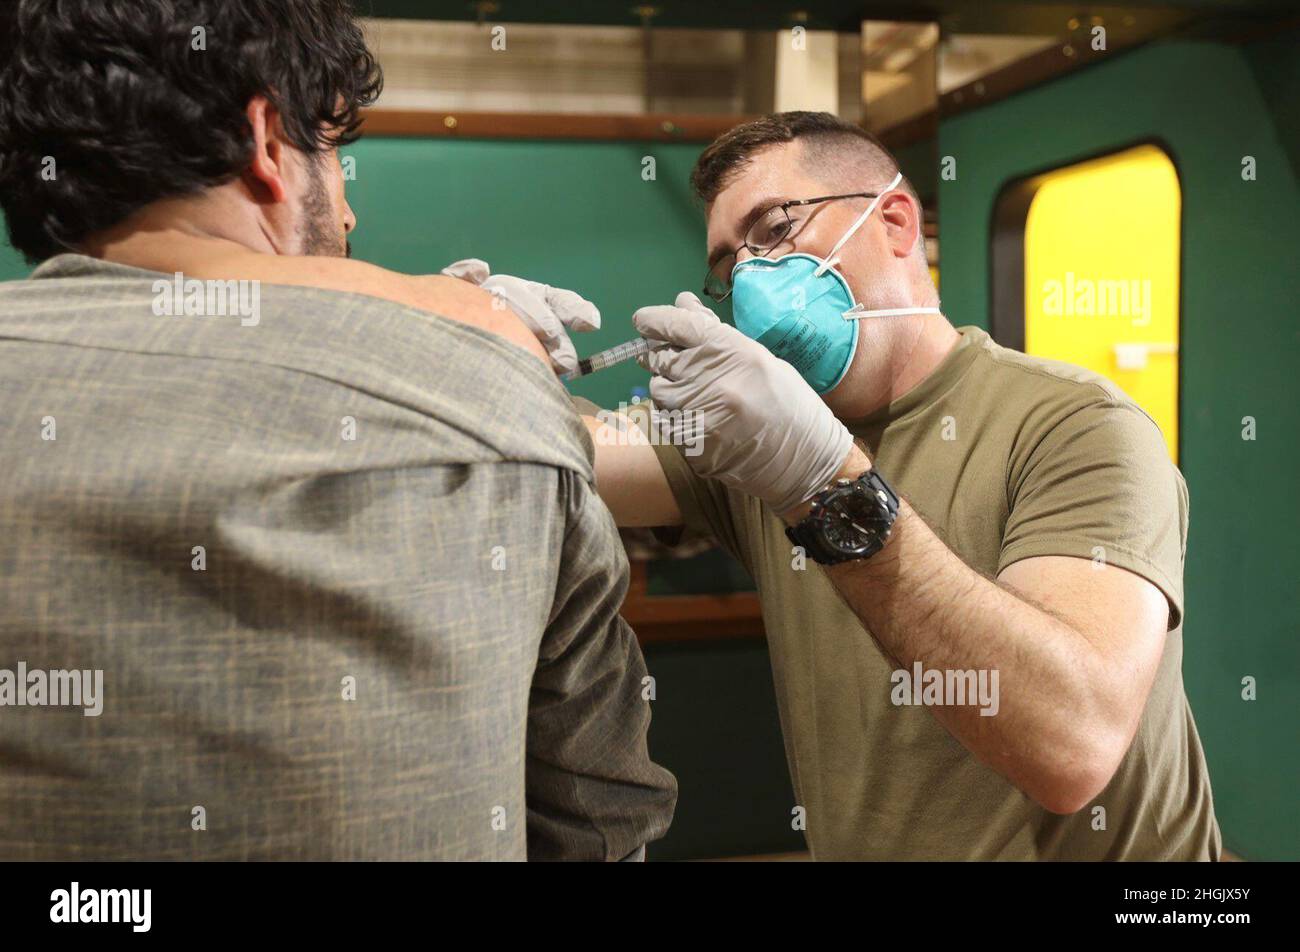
545	125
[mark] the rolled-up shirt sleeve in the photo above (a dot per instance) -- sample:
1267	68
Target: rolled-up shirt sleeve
1100	486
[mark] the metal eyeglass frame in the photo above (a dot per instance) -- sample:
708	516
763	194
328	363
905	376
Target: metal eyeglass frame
760	252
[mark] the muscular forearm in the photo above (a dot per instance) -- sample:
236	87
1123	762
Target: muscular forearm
1052	732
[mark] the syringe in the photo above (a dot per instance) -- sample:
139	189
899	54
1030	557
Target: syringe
629	350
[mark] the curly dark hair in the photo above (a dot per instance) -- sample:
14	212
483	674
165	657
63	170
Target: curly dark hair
138	100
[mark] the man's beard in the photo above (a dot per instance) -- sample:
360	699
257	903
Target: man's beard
319	233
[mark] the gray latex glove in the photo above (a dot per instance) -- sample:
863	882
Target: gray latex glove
760	428
550	313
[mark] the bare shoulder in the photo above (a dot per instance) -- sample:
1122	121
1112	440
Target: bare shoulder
438	294
461	301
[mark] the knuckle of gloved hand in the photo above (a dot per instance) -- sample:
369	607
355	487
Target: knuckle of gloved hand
649	323
660	362
721	332
515	291
563	300
579	313
667	367
661	392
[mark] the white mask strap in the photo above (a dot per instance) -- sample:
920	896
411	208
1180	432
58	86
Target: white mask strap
830	260
858	312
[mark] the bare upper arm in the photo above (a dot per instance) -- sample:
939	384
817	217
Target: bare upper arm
628	475
1123	617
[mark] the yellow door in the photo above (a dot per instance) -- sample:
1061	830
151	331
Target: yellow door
1101	275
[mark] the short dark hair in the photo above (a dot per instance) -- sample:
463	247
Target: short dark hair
833	143
130	111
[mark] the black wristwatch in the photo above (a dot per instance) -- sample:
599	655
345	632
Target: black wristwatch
850	519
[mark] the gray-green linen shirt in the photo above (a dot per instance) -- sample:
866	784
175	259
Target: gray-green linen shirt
343	570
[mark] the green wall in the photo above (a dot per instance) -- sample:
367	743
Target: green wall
573	214
12	265
1205	104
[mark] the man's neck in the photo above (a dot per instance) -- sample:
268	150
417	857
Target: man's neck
173	234
935	340
900	355
165	250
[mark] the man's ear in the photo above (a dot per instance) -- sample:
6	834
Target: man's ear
902	217
266	170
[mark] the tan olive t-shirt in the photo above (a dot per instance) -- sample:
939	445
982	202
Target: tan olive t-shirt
1007	457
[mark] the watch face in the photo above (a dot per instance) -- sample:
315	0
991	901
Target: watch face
853	521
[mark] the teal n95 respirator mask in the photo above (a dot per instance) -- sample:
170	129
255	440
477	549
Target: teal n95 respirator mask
800	308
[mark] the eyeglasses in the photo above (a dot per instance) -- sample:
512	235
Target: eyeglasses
768	230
